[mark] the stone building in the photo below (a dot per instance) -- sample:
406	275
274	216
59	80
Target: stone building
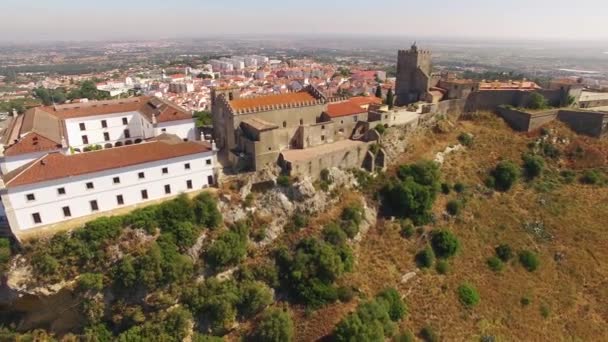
413	75
303	132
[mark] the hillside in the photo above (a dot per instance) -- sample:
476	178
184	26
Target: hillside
316	254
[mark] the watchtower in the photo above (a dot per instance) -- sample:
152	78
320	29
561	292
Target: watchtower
413	75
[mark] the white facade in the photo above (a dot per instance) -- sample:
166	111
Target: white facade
184	129
9	163
118	127
46	202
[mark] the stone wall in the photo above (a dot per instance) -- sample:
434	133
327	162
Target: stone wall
594	124
490	99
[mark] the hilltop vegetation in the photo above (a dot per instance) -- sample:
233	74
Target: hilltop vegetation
505	240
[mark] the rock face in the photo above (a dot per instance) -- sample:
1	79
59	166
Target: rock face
440	156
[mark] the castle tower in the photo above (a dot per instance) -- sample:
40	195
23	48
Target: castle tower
413	75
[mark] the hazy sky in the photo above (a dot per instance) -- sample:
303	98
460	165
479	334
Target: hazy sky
126	19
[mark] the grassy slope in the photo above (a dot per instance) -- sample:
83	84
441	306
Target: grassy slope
574	289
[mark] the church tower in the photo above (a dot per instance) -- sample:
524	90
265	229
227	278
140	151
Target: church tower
413	75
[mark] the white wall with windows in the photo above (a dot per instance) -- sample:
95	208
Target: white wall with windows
51	202
185	129
107	129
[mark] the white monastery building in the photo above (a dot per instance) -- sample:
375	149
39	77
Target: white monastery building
70	161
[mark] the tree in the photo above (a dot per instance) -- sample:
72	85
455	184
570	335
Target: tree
254	297
445	243
276	326
379	91
505	175
533	165
390	98
538	101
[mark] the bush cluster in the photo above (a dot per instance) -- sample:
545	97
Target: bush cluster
412	194
504	176
373	320
229	248
276	325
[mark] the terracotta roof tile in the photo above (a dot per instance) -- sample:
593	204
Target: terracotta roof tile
57	165
30	143
365	100
345	108
272	100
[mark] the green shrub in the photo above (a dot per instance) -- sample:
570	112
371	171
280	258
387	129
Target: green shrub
459	187
465	139
442	267
124	273
253	298
545	311
5	252
568	176
407	229
90	282
533	165
206	212
525	301
350	228
325	177
495	264
425	258
467	294
428	334
504	252
214	301
392	300
505	175
229	248
284	181
266	273
275	326
44	264
345	294
445	243
333	234
529	260
352	213
537	101
309	272
405	336
445	188
380	128
591	177
373	320
453	207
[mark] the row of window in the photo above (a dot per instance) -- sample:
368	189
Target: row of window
106	136
104	124
116	180
119	201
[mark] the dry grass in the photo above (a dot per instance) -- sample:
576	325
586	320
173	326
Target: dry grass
571	281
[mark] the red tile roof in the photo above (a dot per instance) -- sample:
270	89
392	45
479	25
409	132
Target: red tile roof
57	165
30	143
345	108
272	100
365	100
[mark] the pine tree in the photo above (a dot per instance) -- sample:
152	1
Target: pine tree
379	92
390	99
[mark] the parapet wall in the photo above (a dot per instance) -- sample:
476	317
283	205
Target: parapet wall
490	100
594	124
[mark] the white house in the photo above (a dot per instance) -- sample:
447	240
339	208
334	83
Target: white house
69	161
80	126
58	187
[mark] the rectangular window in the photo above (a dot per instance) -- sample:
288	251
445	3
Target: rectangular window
30	197
66	212
208	161
165	170
163	130
187	166
61	191
104	124
90	186
85	140
355	119
189	184
36	217
167	189
116	180
210	180
141	175
120	200
127	133
106	136
82	126
144	194
125	121
322	138
94	206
